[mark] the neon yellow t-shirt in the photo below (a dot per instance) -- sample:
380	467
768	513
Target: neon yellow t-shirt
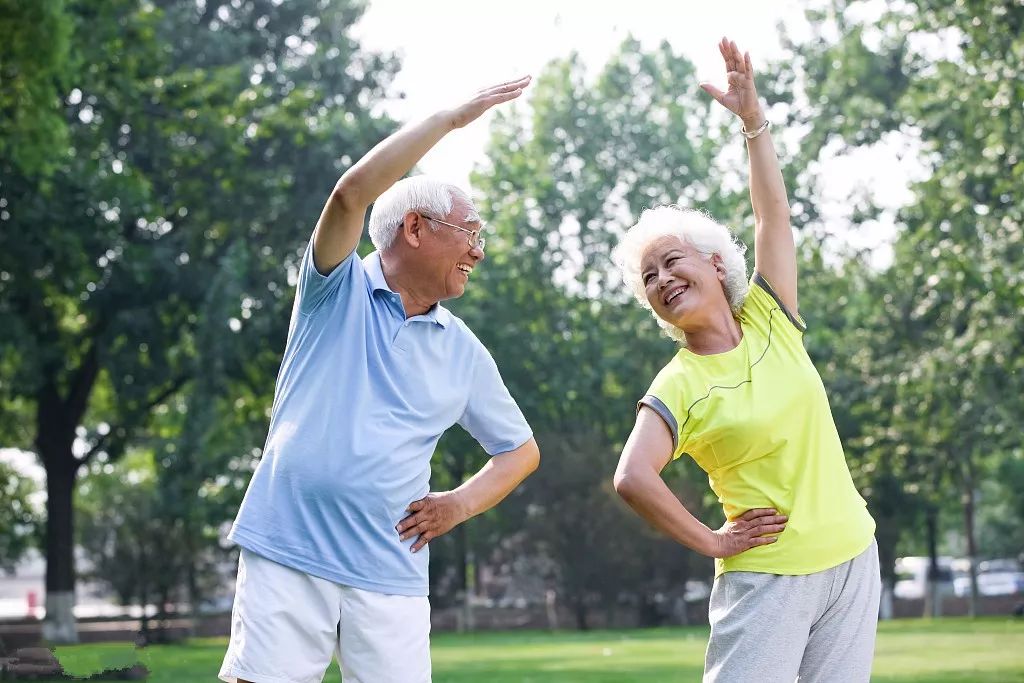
757	420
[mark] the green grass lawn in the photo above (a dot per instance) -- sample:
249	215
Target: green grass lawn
989	650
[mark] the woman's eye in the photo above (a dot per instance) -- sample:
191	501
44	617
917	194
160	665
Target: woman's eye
672	260
648	278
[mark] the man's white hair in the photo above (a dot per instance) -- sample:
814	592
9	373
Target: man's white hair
418	193
698	230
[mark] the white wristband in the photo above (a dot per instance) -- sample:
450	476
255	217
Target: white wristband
750	135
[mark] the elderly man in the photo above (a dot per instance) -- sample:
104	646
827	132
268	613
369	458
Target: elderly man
374	371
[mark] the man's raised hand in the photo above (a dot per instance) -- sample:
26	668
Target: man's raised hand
487	98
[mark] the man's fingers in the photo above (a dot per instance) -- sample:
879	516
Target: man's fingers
508	86
763	540
500	97
412	530
407	522
768	529
424	538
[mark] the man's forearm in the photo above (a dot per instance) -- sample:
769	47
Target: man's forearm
499	477
392	158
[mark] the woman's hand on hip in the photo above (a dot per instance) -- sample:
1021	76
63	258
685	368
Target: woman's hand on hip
759	526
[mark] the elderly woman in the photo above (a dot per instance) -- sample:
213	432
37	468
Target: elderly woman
797	584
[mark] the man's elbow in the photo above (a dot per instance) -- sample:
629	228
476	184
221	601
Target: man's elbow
531	458
348	195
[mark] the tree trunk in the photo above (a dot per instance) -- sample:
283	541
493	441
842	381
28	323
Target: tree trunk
57	417
551	608
887	537
581	613
972	550
465	584
193	589
145	635
59	626
932	596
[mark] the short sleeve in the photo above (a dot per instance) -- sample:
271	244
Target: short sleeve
491	415
665	397
313	288
762	299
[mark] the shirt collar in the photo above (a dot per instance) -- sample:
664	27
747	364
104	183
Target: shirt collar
375	272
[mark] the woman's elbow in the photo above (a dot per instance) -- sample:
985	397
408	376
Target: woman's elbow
626	484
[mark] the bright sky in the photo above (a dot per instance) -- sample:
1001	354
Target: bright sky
451	48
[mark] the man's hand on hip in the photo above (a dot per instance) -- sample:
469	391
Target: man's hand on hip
432	516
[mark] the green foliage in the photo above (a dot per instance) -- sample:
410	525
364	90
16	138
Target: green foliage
127	542
19	517
562	185
932	344
35	69
162	163
144	281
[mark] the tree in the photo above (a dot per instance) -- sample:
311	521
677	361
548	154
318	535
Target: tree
128	541
35	66
19	518
952	295
573	347
202	140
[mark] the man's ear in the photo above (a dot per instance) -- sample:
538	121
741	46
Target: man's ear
413	227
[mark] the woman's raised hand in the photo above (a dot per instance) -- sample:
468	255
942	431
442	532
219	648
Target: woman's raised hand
741	97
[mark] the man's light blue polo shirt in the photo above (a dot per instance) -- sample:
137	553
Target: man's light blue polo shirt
362	398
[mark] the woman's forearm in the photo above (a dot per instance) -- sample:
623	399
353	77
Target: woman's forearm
651	498
767	188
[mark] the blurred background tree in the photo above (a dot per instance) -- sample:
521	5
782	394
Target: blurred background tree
161	167
202	139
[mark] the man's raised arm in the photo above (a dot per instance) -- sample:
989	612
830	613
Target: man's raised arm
341	222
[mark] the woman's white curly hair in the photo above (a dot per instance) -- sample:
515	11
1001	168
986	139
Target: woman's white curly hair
700	231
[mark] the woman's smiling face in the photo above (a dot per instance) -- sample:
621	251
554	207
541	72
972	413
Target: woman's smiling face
682	284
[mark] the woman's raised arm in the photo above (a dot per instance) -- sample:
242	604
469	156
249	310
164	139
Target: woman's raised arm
774	249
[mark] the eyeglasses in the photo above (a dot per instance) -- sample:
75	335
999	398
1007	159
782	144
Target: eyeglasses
475	239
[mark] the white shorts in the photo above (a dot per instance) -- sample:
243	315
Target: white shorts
286	625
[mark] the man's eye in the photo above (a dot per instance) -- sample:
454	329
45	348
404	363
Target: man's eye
648	278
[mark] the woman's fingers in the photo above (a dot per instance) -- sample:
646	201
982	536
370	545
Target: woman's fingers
762	540
726	51
754	513
737	56
714	92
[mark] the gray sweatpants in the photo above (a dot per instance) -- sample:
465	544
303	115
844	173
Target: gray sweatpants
818	627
